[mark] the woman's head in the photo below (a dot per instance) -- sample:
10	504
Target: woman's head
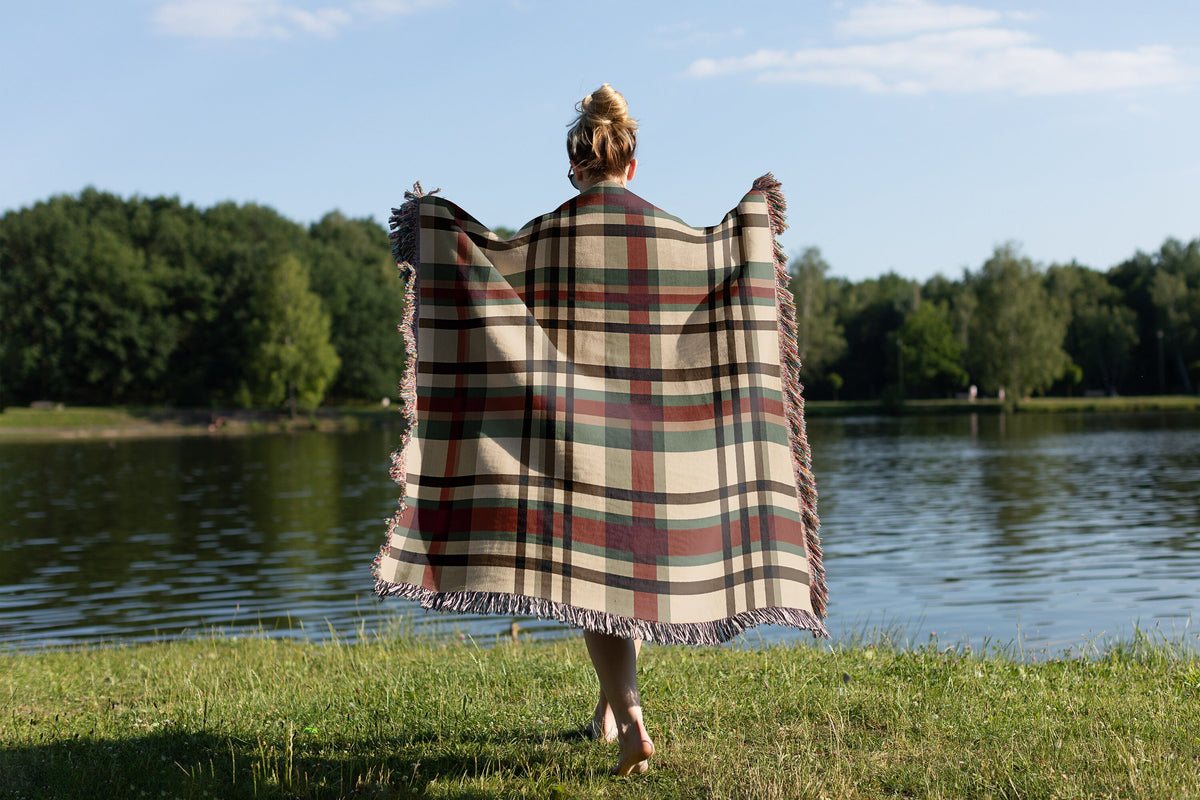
603	138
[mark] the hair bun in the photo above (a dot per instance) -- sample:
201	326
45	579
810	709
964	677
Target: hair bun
605	106
603	138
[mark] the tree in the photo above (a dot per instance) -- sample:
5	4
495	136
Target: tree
1106	334
871	313
1102	331
819	337
1163	290
125	334
291	358
1017	332
931	353
354	274
1169	293
237	246
37	299
84	313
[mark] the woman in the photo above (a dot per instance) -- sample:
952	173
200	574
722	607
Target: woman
604	422
601	146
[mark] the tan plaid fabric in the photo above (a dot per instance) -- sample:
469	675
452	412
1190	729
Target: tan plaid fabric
608	423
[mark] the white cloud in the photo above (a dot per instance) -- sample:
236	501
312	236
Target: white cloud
952	48
278	19
220	18
888	18
391	8
323	21
689	34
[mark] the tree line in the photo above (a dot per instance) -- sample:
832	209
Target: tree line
105	300
147	301
1010	325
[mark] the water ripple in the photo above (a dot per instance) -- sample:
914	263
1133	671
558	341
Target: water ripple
1053	529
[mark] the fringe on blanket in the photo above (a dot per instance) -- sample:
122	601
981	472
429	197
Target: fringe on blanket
689	633
789	359
402	235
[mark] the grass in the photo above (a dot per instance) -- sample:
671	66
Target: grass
1035	405
139	421
850	408
398	718
1044	405
66	417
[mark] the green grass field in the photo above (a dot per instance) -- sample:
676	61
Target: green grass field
135	421
67	417
397	718
1033	405
1075	404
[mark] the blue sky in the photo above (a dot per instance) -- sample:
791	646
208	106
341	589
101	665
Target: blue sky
910	135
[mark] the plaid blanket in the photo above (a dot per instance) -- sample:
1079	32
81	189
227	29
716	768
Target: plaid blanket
603	421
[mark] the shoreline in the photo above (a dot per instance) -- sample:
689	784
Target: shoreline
1030	405
90	423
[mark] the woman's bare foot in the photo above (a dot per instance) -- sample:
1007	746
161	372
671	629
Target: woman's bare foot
603	726
636	749
615	660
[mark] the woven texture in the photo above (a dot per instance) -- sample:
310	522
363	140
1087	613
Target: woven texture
603	421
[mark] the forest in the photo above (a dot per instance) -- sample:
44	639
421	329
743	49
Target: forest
150	301
106	301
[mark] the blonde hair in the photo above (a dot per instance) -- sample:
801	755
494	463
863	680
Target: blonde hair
602	139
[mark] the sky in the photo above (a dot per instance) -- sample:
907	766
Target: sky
911	136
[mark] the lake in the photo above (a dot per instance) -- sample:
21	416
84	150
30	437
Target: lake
1050	531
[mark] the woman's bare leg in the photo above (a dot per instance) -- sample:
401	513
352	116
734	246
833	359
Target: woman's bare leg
615	661
604	725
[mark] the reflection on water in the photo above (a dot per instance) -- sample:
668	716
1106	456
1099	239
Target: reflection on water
141	540
1062	527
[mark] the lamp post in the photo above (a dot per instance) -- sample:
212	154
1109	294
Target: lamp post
1162	372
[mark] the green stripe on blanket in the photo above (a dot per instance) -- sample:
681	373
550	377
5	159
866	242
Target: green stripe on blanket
603	421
